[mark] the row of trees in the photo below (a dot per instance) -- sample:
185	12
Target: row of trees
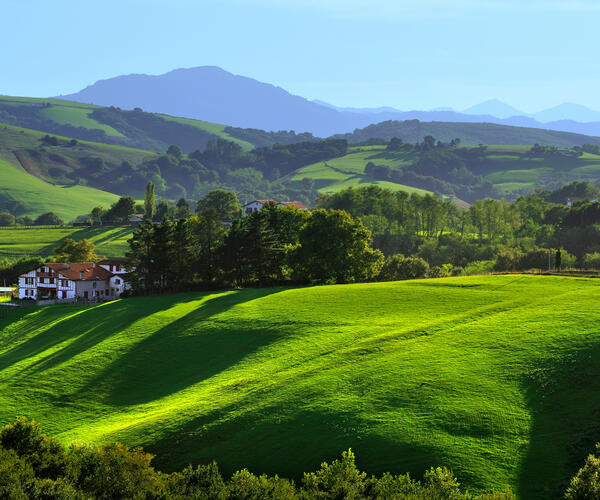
33	465
273	246
440	232
47	219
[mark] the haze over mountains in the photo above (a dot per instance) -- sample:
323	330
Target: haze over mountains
213	94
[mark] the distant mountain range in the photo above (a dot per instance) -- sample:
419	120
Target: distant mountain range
212	94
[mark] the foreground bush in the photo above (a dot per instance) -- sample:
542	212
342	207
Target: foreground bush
32	465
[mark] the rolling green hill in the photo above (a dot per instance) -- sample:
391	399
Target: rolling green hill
110	125
349	171
468	133
511	169
29	195
19	242
493	376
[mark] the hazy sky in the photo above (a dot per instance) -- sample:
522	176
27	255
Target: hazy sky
417	54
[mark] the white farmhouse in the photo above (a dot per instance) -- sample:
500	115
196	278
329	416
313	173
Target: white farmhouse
257	205
69	281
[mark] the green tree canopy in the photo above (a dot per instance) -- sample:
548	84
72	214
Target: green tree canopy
224	203
335	248
75	251
49	219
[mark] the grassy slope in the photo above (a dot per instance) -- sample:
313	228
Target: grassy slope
348	171
109	241
39	197
505	166
493	376
511	170
214	128
66	112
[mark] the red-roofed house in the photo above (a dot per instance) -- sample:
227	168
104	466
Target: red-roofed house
69	281
257	205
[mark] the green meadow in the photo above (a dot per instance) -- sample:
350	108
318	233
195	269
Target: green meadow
213	128
37	196
492	376
65	112
19	242
349	171
509	168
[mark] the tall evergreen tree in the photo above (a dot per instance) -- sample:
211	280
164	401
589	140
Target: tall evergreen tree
140	258
149	199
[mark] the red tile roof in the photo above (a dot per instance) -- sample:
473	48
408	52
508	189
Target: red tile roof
73	271
295	204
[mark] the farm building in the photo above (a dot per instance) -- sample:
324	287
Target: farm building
78	280
257	205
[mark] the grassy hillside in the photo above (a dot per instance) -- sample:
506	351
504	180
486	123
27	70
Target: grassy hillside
85	121
29	195
213	128
468	133
509	168
17	242
493	376
349	171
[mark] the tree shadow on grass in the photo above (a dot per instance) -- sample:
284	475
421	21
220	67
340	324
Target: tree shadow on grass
88	233
287	440
89	326
562	396
190	349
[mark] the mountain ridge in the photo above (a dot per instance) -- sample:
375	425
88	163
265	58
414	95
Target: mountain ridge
213	94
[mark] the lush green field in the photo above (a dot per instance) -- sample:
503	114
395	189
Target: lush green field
64	112
213	128
349	171
493	376
37	196
509	168
17	242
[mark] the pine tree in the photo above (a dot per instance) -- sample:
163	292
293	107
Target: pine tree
149	199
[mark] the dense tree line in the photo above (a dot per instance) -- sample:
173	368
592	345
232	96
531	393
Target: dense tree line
273	246
346	238
33	465
46	219
508	235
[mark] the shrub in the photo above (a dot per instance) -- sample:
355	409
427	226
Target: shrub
592	260
586	483
397	267
26	439
442	271
479	267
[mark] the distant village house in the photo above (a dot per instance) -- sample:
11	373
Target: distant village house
257	205
77	280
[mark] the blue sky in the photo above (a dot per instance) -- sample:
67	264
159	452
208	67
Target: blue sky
416	54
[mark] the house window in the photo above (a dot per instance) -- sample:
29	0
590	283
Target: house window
51	281
117	282
94	285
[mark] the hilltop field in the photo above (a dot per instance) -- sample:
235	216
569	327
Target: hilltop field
489	375
509	168
21	242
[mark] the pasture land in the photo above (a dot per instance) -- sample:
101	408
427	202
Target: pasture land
349	171
495	377
35	196
510	168
20	242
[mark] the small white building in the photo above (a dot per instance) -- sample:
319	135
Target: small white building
257	205
69	281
